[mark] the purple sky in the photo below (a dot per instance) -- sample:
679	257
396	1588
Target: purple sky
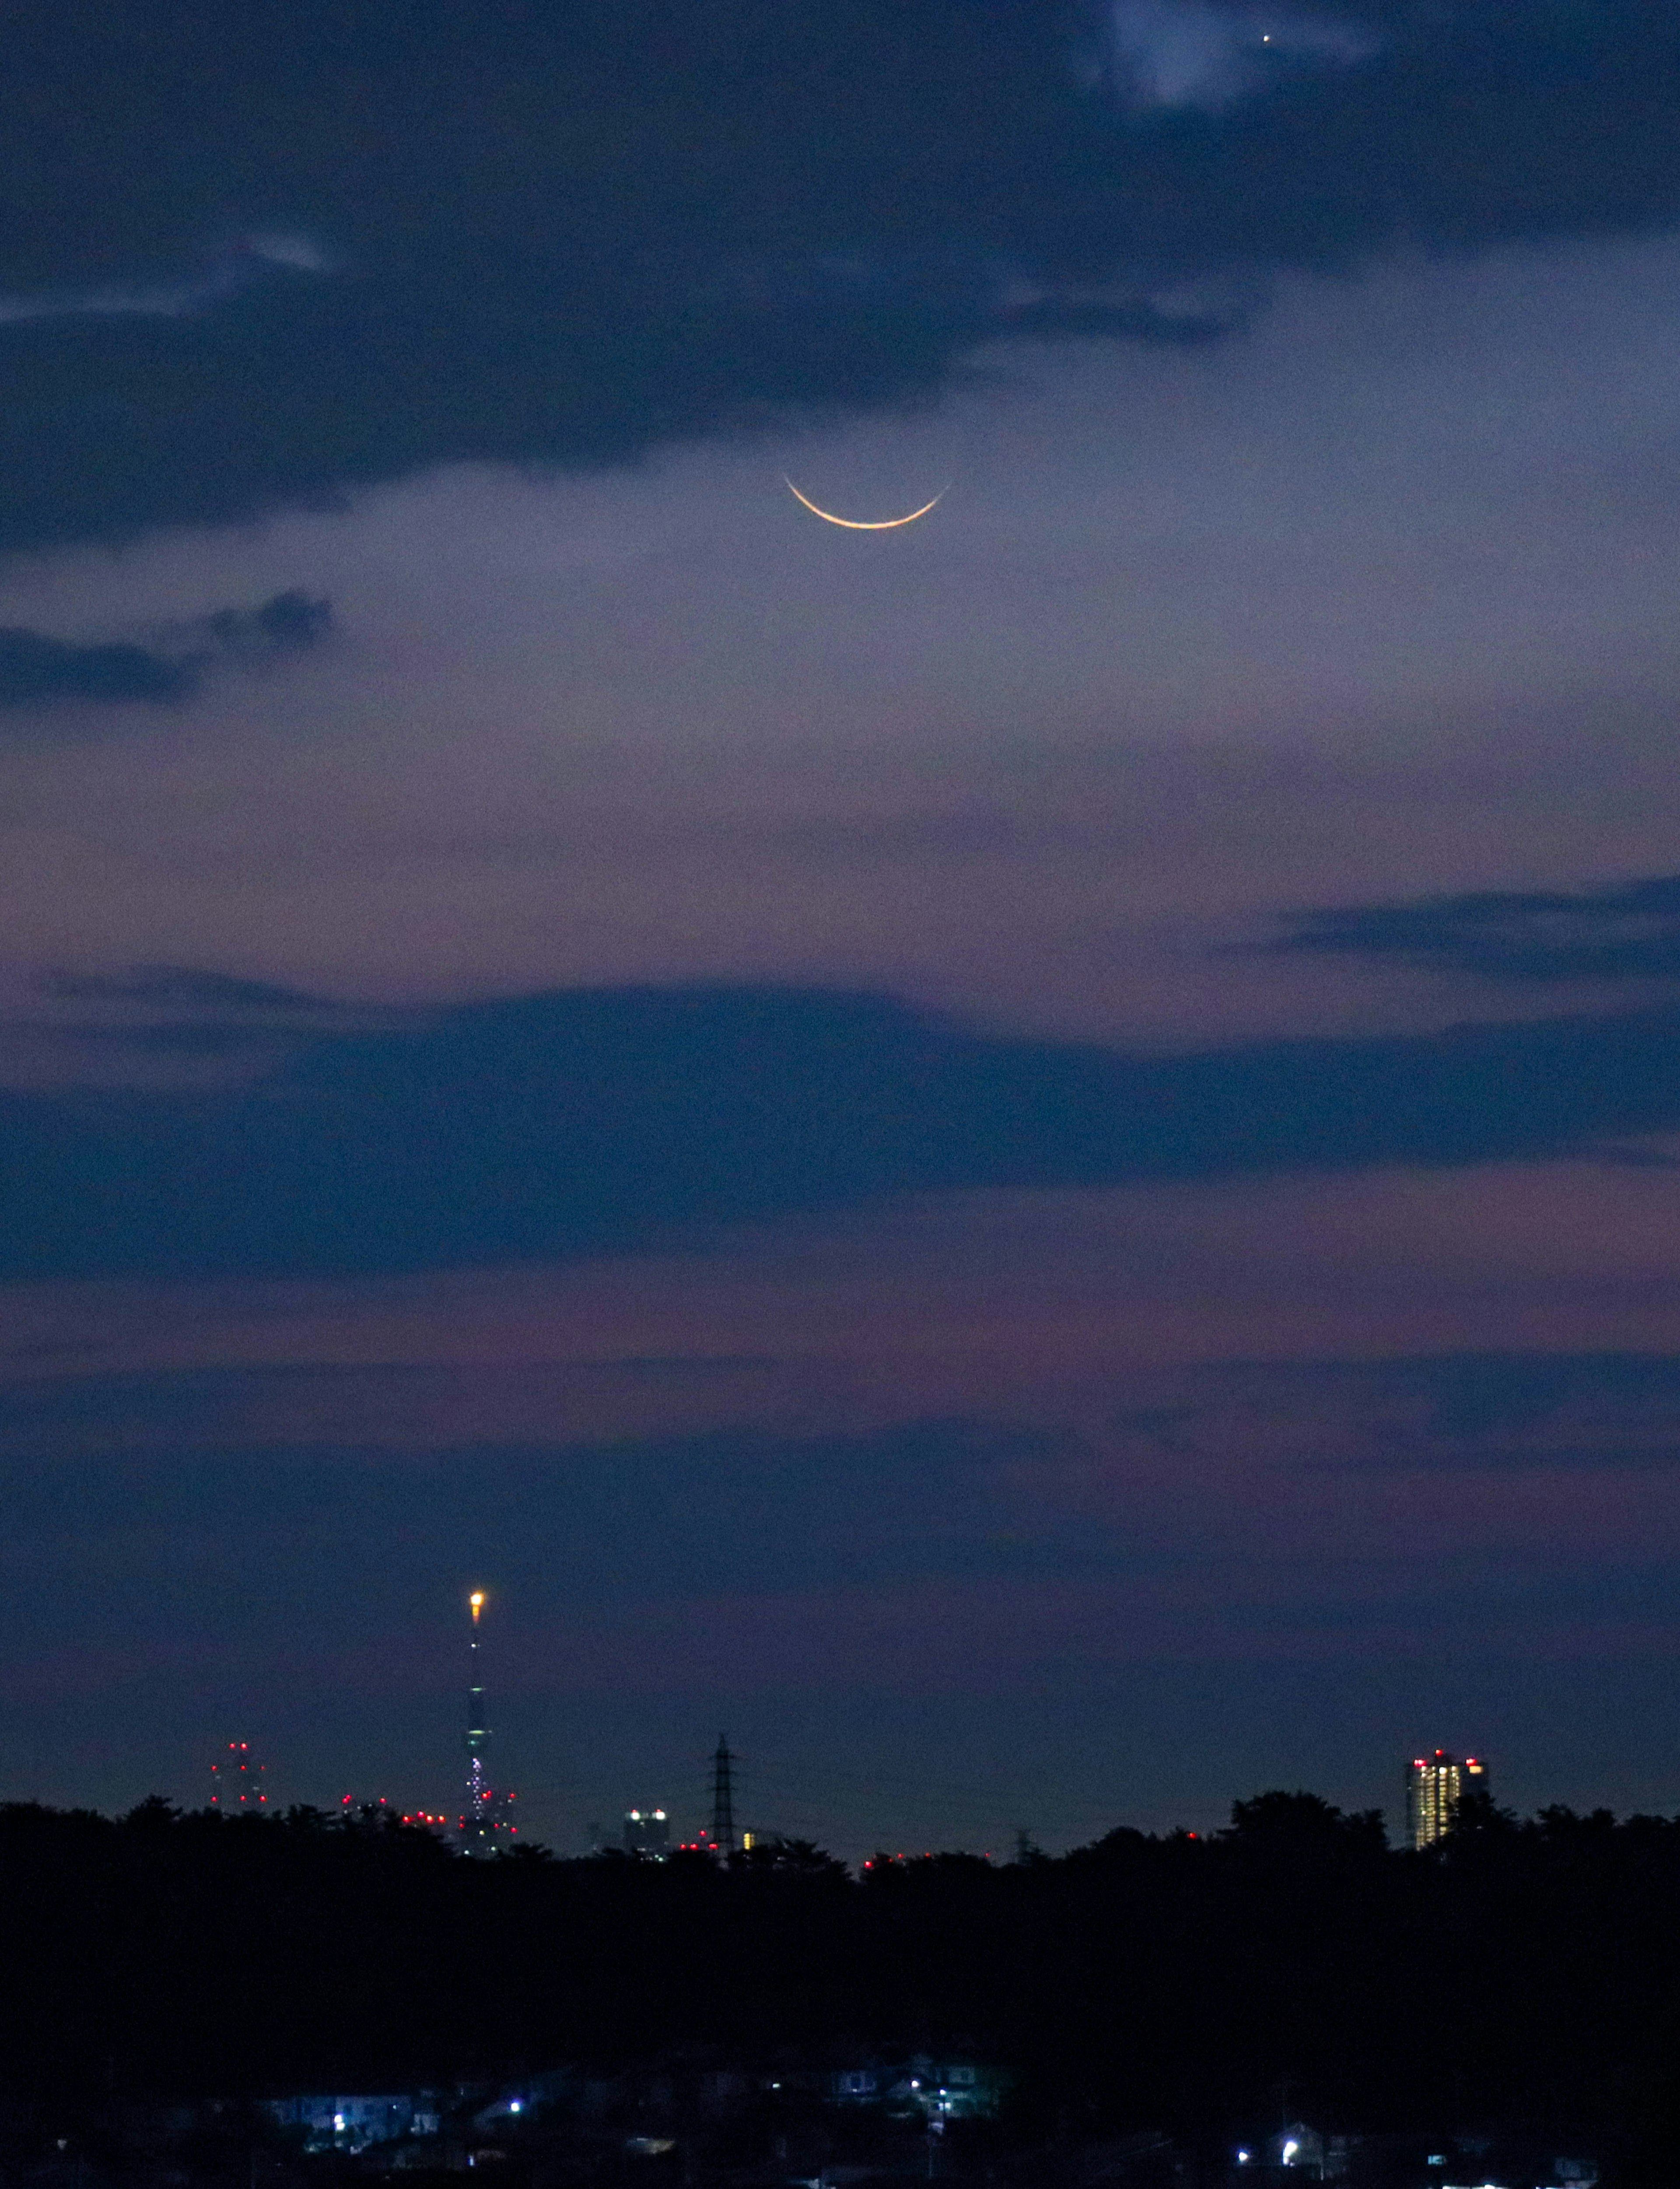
1370	603
1078	1496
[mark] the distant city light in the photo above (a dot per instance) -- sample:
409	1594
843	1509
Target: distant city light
1291	2151
1434	1787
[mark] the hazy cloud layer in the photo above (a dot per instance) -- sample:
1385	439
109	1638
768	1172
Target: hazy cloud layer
1382	1522
1007	1493
37	670
178	989
578	232
1134	1435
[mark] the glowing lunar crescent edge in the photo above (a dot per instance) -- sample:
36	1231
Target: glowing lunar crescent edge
855	524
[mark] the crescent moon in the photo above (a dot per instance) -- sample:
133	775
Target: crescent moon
855	524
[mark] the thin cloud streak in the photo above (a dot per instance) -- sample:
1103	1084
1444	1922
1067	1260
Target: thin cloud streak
1629	932
1018	1304
235	271
1187	52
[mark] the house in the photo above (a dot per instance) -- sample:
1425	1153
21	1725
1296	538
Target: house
352	2124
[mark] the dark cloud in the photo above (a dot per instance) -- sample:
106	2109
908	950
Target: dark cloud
286	623
281	255
38	671
572	1122
1629	933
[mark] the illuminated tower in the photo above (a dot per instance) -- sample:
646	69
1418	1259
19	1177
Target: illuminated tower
484	1824
1434	1787
478	1733
236	1787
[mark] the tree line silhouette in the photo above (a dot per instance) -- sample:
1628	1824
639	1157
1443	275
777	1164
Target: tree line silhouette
1519	1971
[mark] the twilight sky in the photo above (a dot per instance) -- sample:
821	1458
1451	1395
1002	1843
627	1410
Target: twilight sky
1034	1161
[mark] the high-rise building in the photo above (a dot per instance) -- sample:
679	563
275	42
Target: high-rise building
1434	1787
647	1831
236	1788
486	1823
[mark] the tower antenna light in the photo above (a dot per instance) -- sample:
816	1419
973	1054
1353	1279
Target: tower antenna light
485	1821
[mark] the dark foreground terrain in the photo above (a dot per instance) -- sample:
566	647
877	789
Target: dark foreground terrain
1154	1999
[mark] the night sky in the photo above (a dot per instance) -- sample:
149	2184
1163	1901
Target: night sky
1033	1162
